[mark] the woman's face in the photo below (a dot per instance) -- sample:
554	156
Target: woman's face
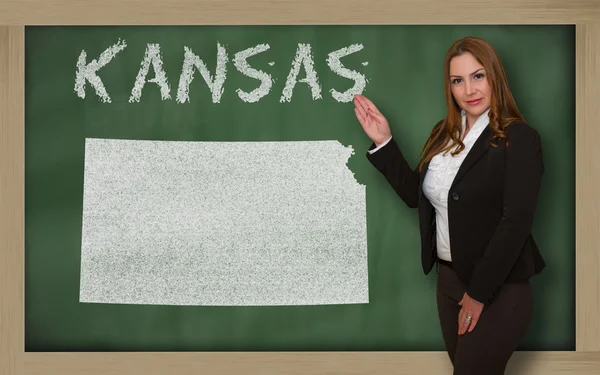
469	85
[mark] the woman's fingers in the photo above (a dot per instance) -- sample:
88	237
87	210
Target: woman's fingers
360	116
370	106
371	109
474	322
372	121
360	109
360	101
364	117
463	321
465	325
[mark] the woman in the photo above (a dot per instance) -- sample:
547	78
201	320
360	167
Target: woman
476	188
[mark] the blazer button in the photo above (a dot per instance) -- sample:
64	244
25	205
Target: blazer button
455	196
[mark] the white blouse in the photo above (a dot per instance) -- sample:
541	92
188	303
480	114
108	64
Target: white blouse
440	175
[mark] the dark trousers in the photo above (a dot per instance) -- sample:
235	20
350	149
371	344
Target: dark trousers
501	327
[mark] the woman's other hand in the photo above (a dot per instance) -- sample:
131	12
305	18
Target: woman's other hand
469	314
374	124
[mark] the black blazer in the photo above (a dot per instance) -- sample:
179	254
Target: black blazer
491	206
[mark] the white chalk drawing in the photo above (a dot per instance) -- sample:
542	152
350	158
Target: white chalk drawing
302	70
87	72
303	59
191	62
151	57
222	223
243	67
335	64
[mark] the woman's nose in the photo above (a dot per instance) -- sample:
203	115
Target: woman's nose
470	89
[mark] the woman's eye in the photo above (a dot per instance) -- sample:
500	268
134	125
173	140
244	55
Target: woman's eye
455	80
479	75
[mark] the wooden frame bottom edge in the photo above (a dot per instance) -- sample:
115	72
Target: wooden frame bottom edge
530	362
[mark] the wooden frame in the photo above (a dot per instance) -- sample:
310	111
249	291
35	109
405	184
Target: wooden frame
14	15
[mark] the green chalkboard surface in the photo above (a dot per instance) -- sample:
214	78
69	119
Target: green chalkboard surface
403	67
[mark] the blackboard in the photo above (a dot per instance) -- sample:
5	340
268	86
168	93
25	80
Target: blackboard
404	72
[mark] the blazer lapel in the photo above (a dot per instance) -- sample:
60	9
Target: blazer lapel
424	171
422	177
479	147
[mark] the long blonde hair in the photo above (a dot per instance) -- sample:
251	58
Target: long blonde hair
447	133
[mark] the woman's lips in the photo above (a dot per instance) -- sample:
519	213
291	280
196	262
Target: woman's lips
473	102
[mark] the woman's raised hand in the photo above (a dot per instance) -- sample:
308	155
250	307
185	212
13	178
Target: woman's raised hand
374	124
